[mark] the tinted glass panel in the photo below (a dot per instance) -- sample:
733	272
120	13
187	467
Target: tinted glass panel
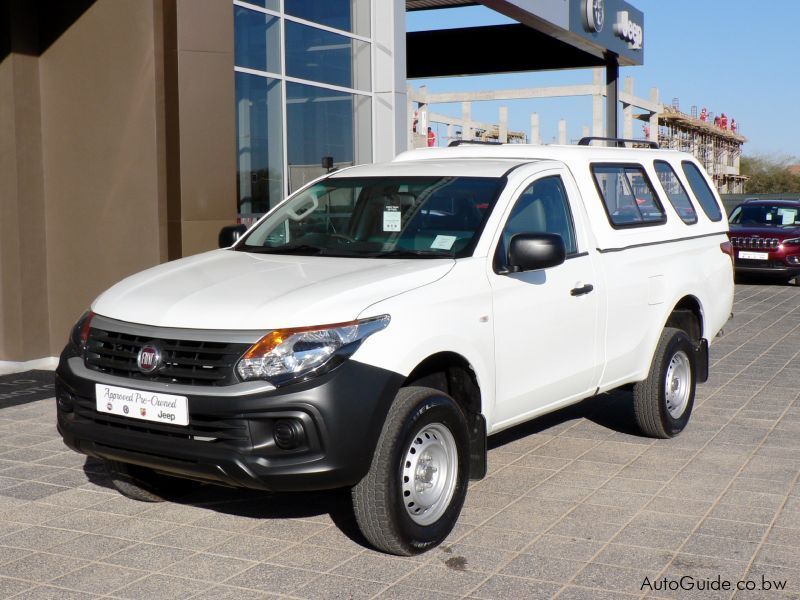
766	215
259	143
320	55
628	195
257	40
270	4
325	123
675	192
349	15
701	191
542	208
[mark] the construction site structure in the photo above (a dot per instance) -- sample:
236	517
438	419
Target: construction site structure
718	149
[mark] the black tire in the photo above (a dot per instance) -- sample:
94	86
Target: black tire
380	499
658	414
141	483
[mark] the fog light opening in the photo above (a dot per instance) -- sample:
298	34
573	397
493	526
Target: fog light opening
289	434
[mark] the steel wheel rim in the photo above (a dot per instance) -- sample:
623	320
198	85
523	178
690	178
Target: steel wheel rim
677	384
430	469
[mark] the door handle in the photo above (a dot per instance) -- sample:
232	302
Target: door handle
580	291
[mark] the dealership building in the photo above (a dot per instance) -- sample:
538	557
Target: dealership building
131	131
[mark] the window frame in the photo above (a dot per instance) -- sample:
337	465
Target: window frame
498	257
656	200
683	187
708	188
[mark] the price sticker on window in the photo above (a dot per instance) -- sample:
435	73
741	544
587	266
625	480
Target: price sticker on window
391	218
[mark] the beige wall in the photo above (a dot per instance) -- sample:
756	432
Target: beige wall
117	152
98	90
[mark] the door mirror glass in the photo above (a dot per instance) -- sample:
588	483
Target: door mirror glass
534	251
230	234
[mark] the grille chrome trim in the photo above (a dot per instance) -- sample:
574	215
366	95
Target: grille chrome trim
755	243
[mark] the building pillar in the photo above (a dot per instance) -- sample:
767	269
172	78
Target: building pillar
612	96
466	116
503	127
654	116
562	132
536	136
597	103
627	111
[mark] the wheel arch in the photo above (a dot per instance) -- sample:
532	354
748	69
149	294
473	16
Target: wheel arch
452	373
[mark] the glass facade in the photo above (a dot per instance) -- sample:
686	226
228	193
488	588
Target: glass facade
303	94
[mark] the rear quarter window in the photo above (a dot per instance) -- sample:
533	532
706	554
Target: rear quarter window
675	191
628	195
701	191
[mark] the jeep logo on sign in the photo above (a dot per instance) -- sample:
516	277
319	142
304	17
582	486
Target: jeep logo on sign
149	358
594	15
629	31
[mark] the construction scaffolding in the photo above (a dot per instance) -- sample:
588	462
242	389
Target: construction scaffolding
719	150
716	146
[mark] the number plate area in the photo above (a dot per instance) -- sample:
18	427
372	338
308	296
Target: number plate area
142	405
753	255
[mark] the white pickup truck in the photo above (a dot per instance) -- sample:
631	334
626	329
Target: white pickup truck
375	327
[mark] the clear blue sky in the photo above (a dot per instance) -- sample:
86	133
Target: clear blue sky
739	57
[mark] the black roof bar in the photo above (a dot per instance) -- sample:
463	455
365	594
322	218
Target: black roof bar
619	142
468	142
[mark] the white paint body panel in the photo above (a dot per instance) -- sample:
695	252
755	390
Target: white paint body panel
533	347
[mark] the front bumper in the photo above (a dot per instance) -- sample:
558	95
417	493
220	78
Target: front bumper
230	438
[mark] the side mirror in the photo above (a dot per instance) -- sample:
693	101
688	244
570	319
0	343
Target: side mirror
534	251
229	234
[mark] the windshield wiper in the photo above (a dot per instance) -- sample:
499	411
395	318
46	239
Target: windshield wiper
299	248
405	253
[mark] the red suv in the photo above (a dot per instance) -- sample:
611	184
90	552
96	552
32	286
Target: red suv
765	235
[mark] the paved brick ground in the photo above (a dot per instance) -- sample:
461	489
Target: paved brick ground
576	506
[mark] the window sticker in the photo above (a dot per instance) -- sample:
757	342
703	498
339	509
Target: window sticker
443	242
391	218
769	216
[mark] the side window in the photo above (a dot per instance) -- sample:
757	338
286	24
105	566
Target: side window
675	192
628	196
701	191
542	208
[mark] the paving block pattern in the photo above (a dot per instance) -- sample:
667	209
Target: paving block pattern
576	505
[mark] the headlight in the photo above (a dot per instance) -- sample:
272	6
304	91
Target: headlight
791	242
80	332
285	355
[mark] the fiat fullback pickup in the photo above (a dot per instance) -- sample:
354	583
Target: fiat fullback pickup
375	327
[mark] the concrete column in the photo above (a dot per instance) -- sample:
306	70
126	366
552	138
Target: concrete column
466	115
612	84
536	136
654	116
503	129
627	111
597	103
562	132
450	136
585	131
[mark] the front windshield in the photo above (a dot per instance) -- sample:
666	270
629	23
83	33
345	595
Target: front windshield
766	215
380	217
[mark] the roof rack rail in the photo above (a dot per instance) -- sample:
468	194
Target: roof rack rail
477	142
619	142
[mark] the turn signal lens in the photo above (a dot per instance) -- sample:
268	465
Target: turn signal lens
288	354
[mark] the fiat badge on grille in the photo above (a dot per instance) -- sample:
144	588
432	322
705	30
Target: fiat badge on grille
149	358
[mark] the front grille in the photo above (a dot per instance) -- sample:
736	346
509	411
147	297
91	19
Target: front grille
186	362
204	429
755	243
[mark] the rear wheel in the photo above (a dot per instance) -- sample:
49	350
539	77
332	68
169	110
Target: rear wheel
141	483
412	495
663	402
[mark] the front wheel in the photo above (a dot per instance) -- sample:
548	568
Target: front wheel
141	483
412	495
663	402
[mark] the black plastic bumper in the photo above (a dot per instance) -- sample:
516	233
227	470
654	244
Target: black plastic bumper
782	272
231	440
